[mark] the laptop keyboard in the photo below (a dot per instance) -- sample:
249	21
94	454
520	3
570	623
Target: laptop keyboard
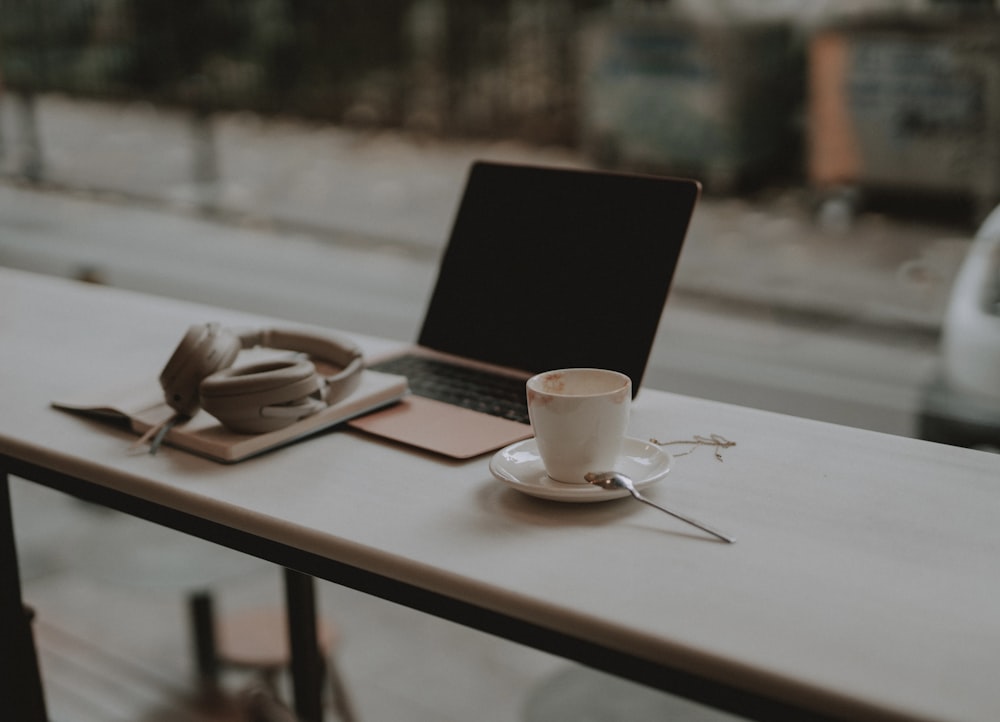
469	388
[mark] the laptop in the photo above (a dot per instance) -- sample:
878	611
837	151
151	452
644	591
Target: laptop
545	268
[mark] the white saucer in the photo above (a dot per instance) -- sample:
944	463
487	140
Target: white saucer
520	467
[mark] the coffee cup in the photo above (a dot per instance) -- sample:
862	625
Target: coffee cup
579	417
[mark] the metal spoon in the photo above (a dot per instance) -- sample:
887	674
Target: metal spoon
618	480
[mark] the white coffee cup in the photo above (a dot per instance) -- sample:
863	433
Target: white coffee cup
579	417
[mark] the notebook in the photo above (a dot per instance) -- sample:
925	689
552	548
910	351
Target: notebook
545	268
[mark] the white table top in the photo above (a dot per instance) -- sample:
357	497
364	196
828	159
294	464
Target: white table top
865	580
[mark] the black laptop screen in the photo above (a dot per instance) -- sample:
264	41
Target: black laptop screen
551	268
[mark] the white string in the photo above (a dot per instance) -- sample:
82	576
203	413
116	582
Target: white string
719	442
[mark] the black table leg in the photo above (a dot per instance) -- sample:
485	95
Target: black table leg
202	612
307	663
20	680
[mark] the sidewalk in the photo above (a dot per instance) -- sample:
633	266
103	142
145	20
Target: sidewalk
356	188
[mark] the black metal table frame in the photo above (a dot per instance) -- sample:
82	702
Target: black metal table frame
21	683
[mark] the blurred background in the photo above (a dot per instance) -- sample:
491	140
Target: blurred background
737	91
303	159
849	152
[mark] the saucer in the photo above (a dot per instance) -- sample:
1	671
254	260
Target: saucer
520	467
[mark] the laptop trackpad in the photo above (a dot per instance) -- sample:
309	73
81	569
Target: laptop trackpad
442	428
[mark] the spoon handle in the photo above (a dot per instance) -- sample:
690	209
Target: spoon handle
687	519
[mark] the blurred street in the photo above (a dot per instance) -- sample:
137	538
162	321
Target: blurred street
832	317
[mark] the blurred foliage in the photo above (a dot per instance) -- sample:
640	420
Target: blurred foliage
442	65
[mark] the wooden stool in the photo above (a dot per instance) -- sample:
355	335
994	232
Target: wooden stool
256	640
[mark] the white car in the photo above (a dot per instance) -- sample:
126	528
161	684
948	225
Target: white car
962	405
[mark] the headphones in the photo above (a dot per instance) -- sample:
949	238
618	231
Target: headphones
263	396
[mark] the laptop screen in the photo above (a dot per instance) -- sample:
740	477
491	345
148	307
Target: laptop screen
553	268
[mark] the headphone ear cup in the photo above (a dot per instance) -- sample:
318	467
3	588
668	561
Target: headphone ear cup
204	350
335	350
263	397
